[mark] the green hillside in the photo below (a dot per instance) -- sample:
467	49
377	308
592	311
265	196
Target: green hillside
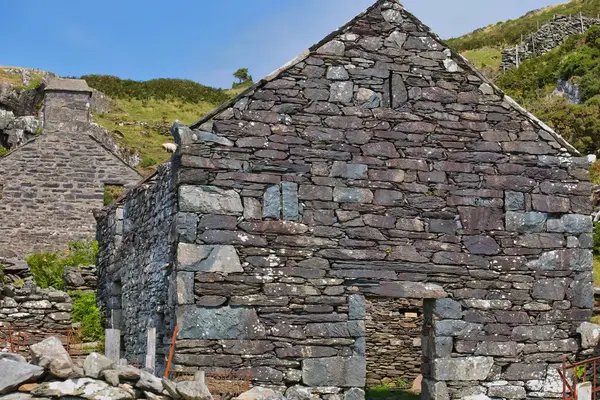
143	111
509	32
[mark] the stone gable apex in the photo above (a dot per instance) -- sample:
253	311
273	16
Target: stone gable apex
394	13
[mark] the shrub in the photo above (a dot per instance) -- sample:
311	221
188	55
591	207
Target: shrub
86	312
3	151
48	268
112	193
147	162
159	89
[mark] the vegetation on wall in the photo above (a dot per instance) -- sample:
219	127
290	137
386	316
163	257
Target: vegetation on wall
87	314
48	268
112	193
3	151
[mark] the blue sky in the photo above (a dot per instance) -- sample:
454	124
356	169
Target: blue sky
203	40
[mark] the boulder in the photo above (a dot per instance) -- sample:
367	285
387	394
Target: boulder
111	376
13	374
95	363
128	372
149	382
12	357
171	388
590	334
193	390
260	393
51	354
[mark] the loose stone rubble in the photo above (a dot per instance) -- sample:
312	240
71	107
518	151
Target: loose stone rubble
52	374
378	164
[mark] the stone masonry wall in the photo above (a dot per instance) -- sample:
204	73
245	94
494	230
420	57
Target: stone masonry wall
29	307
380	164
133	266
393	336
548	37
49	187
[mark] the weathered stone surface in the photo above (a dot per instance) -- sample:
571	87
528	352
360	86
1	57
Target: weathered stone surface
260	393
337	371
51	355
529	222
218	323
95	363
414	290
352	195
209	200
14	373
149	382
446	308
220	258
590	335
481	245
462	368
84	387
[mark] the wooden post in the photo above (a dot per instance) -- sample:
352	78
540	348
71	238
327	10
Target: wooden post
112	344
151	349
581	19
199	376
517	55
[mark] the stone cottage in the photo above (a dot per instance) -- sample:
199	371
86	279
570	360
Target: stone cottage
50	185
379	167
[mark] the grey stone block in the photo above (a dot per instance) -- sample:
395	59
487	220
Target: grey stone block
446	308
514	201
550	289
356	307
218	323
289	195
590	335
185	287
272	202
348	170
462	368
352	195
205	258
334	371
209	200
528	222
432	390
354	394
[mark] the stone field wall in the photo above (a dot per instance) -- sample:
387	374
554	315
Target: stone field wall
393	336
376	164
133	264
33	308
548	37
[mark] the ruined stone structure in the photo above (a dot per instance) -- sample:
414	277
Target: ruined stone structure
50	185
550	35
380	165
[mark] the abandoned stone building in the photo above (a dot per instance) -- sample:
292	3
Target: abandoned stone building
376	180
50	185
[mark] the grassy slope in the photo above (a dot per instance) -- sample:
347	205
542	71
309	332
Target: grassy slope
509	32
142	112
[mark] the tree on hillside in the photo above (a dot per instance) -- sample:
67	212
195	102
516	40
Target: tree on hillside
243	76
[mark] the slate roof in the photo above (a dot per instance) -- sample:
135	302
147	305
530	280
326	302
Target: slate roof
458	58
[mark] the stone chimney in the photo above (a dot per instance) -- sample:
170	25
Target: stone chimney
67	105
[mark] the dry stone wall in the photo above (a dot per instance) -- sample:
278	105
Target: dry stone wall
393	337
378	164
29	307
548	37
134	263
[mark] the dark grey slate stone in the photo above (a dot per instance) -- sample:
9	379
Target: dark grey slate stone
272	202
334	371
528	222
481	245
514	201
289	195
349	170
218	323
352	195
356	307
550	289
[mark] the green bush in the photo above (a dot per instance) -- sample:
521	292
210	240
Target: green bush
48	268
86	312
3	151
147	162
159	89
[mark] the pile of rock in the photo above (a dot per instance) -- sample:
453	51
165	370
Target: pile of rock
53	374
